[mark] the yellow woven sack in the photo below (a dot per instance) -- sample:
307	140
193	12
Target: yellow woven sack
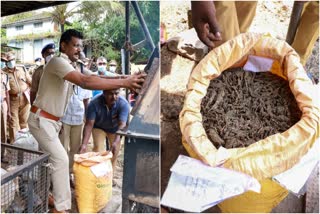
92	192
269	156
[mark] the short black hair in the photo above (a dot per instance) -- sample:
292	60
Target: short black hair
67	36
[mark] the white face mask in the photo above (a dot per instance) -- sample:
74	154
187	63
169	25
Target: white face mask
38	63
112	68
11	64
47	59
3	65
102	68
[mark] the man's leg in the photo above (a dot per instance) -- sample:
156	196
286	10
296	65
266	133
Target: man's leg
64	136
246	10
99	140
46	133
24	109
308	31
75	143
227	19
115	148
14	122
4	109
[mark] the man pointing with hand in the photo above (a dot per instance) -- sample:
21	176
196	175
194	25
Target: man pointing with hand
56	86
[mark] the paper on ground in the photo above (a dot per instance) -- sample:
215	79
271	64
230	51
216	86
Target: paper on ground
258	64
302	170
194	186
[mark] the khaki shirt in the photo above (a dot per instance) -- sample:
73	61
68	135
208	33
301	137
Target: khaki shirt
54	92
18	80
5	86
36	78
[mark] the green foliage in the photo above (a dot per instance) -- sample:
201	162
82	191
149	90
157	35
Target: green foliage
110	31
3	33
150	13
94	12
103	25
61	13
17	17
31	36
77	25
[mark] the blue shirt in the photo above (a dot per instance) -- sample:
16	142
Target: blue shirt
105	118
96	92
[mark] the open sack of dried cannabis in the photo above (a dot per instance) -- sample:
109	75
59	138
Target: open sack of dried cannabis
243	107
267	121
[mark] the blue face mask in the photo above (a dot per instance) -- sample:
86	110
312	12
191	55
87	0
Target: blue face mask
102	69
11	64
3	65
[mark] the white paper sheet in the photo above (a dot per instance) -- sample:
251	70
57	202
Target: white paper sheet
258	64
301	170
195	187
100	170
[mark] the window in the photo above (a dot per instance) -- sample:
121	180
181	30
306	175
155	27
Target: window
20	27
37	47
37	25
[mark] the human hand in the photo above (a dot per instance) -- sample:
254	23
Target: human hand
205	22
123	76
83	148
135	81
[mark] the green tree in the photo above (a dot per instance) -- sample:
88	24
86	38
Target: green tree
17	17
94	12
3	34
103	24
60	14
109	34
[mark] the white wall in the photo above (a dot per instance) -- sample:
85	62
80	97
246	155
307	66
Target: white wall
28	28
29	53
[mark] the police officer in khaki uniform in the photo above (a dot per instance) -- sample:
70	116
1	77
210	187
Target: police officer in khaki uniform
19	82
5	99
47	53
55	89
219	21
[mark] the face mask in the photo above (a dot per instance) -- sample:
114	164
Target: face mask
38	63
112	68
11	64
47	59
102	68
3	65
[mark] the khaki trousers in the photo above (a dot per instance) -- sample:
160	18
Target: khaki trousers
19	108
234	17
99	142
308	31
71	137
231	25
4	111
46	132
99	139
